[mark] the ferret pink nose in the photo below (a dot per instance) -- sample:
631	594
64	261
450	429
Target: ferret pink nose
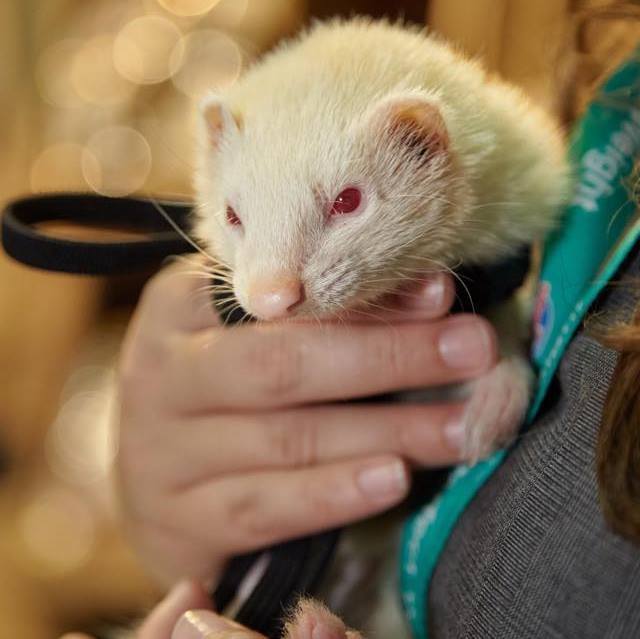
275	298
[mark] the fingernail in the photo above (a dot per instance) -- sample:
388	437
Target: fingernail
202	624
455	434
384	482
432	294
465	343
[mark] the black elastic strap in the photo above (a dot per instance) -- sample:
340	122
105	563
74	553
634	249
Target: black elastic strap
26	242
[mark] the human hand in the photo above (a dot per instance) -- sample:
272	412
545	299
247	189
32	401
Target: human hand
231	440
185	614
310	620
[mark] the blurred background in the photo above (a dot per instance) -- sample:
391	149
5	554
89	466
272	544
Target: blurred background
98	95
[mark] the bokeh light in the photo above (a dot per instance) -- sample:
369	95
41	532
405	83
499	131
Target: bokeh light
58	530
53	74
94	76
81	445
58	167
229	13
212	61
148	50
116	161
187	8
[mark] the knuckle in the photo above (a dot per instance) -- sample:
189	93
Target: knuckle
139	369
387	353
400	435
162	291
277	361
293	441
132	379
322	503
246	517
155	289
408	433
138	363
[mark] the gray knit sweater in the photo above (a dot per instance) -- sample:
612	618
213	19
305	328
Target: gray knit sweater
532	556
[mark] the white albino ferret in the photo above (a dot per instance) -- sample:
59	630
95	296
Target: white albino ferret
363	154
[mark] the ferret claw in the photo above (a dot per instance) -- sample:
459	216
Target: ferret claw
496	408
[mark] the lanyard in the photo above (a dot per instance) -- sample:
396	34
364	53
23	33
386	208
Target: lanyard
599	230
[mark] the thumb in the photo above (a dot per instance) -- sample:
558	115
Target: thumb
184	596
203	624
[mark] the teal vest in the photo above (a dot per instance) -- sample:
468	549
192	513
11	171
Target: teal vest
600	227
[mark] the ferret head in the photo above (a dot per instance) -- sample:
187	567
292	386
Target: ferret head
325	210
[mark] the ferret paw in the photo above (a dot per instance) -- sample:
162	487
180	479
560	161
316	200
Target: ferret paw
496	408
312	620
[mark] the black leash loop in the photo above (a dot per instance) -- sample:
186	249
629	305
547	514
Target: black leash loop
24	235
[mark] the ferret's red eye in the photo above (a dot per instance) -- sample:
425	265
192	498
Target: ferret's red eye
232	217
348	201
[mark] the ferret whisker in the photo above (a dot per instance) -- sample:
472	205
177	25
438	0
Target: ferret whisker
217	286
229	312
203	269
171	222
212	291
475	207
205	276
316	318
441	266
228	308
373	316
424	198
198	274
223	286
226	305
219	296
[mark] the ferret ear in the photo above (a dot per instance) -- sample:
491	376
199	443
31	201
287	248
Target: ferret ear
412	120
219	121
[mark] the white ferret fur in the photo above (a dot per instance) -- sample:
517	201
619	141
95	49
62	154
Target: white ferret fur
454	165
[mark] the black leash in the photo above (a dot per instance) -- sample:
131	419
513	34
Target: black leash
285	571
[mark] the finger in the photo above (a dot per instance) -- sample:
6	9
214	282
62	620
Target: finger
430	297
179	298
264	367
423	434
434	293
184	596
203	624
241	512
